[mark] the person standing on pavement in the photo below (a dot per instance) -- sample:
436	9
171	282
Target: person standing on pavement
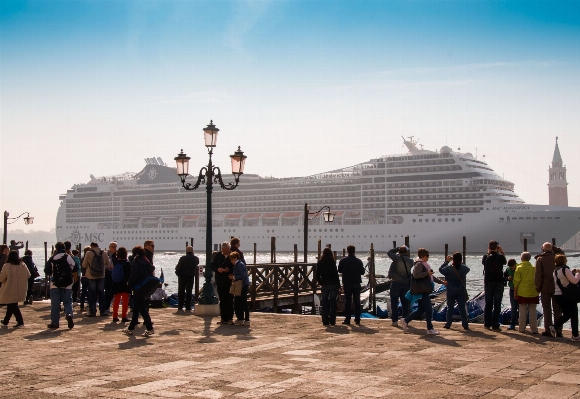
327	277
141	270
95	263
186	271
59	292
223	269
544	280
509	277
241	301
493	262
400	276
563	276
14	278
84	281
120	275
112	255
525	293
455	273
29	262
352	269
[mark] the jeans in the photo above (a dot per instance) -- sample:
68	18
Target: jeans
97	289
493	297
459	297
84	291
569	312
13	309
241	305
352	294
397	292
30	288
140	306
75	290
226	303
328	304
424	307
58	295
549	302
515	309
184	288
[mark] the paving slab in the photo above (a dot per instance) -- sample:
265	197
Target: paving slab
279	356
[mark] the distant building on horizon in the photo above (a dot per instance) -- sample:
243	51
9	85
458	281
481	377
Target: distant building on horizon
558	191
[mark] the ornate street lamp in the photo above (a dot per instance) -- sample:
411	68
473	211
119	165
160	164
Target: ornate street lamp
27	220
209	175
328	217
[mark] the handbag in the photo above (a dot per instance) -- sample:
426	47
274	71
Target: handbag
236	287
461	281
146	287
572	291
421	285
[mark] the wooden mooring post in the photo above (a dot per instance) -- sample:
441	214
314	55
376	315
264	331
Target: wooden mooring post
553	241
525	245
394	244
255	252
319	249
273	250
464	249
408	245
26	248
446	250
295	253
344	252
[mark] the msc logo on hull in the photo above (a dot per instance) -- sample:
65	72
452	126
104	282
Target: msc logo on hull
77	237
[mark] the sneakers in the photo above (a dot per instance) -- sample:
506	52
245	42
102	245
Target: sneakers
4	323
70	321
22	325
127	332
432	332
511	328
552	331
405	325
148	333
446	326
575	339
546	334
52	326
395	324
115	319
239	323
124	320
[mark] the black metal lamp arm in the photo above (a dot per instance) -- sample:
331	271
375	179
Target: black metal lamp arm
14	220
217	179
318	212
200	179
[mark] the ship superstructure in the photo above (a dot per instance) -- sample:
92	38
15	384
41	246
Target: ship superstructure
434	197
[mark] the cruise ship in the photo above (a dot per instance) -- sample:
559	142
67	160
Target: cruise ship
434	197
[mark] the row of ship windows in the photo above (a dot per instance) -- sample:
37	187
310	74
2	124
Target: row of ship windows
439	220
422	169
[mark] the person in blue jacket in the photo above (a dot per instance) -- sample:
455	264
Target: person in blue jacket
455	274
241	301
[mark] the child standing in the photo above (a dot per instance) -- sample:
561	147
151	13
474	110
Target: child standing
121	290
509	276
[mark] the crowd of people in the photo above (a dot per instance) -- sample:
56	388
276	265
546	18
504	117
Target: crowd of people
413	281
114	278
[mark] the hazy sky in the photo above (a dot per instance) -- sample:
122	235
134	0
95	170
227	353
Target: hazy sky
94	87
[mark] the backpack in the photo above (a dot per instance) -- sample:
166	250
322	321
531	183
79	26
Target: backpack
118	274
98	264
61	272
572	291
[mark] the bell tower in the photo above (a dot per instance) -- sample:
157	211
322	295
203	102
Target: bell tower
557	185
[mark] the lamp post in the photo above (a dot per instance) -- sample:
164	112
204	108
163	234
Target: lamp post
209	175
27	220
328	217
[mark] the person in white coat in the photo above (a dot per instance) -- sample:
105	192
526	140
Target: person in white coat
14	278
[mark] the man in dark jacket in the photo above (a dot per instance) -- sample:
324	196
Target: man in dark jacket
141	268
27	259
545	285
351	268
235	247
186	271
222	267
493	262
400	276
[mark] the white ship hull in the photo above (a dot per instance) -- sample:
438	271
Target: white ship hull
537	223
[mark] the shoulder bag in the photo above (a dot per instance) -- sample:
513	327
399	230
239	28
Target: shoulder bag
421	285
572	291
236	287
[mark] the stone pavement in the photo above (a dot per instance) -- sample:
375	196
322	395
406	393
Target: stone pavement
279	356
